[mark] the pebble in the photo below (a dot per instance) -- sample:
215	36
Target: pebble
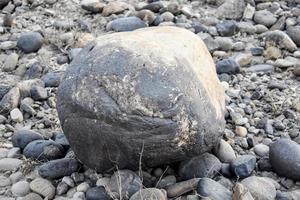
94	6
231	9
69	181
16	115
3	153
281	39
264	164
131	183
293	32
261	150
228	66
261	68
149	193
285	158
97	193
43	187
38	93
61	188
261	188
83	187
227	28
9	164
166	181
58	168
213	190
32	196
240	192
264	17
205	165
10	100
15	177
11	62
23	137
147	16
44	150
181	188
243	166
224	152
241	131
4	181
30	42
20	189
257	51
114	8
126	24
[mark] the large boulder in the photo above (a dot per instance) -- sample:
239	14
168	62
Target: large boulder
151	94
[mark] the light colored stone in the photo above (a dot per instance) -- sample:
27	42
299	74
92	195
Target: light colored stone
16	115
240	192
225	152
43	187
249	12
116	7
149	194
261	150
20	189
11	62
9	164
4	181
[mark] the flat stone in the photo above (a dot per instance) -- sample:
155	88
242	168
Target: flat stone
16	115
126	24
260	68
264	17
94	6
9	164
58	168
97	193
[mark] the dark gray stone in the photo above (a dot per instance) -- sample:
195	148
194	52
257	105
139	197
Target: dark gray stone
4	89
227	28
257	51
213	190
126	24
205	165
264	164
131	183
23	137
30	42
63	59
103	120
243	166
38	93
59	168
44	150
52	79
96	193
3	3
285	158
34	71
228	66
62	140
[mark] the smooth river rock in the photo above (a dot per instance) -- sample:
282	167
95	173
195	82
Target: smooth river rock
127	93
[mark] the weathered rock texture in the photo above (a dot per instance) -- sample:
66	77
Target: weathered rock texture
151	93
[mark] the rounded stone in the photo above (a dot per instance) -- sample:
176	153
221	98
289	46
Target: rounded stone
205	165
243	166
264	17
131	183
58	168
294	33
228	66
126	24
225	152
285	158
128	102
261	188
20	189
149	194
32	196
43	187
30	42
227	28
96	193
23	137
44	150
213	190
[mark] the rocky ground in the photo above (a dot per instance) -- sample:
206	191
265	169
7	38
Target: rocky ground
256	48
